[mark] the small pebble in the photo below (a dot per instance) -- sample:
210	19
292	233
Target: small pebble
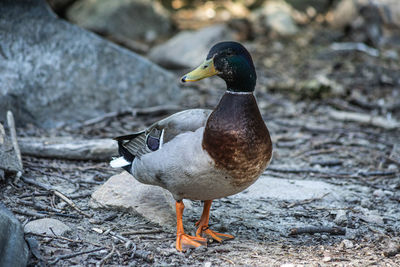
346	244
392	167
378	193
326	259
97	230
382	193
207	264
366	203
341	218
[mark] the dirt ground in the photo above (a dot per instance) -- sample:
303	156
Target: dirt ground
310	144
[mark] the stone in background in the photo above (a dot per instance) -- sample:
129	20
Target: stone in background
54	73
133	19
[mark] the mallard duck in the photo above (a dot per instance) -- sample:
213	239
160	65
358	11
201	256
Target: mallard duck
202	154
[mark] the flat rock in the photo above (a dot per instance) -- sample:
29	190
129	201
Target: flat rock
132	19
13	248
292	190
187	49
54	73
42	226
123	192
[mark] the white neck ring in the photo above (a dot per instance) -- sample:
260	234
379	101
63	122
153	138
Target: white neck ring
239	93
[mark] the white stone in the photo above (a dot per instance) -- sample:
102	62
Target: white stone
123	192
42	226
347	243
341	218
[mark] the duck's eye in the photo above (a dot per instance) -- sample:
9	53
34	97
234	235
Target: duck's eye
205	66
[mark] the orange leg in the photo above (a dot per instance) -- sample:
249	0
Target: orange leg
184	241
203	225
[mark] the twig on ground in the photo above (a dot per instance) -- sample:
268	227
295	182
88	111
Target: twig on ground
141	232
328	163
314	152
68	256
227	260
318	229
70	240
67	148
46	210
118	236
80	195
73	216
29	213
56	193
306	201
71	203
103	260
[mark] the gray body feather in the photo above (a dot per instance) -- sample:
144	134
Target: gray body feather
180	165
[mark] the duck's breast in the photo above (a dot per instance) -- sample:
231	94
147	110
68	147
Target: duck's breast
237	138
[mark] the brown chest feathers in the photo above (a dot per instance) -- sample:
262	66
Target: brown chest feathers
237	139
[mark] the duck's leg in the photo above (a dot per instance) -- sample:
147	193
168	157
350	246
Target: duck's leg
184	241
203	225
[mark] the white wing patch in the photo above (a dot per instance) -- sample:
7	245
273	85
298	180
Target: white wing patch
119	162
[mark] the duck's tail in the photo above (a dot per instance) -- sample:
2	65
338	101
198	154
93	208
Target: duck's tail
126	158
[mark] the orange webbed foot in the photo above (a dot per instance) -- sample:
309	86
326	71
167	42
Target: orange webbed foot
203	229
184	242
219	237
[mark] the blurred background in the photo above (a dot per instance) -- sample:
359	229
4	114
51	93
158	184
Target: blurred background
344	52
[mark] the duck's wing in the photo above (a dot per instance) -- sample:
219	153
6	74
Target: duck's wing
161	132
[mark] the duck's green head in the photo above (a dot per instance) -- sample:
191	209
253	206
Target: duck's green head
230	61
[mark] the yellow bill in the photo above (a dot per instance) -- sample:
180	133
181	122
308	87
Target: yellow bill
206	69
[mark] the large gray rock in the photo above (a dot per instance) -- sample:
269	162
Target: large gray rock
52	72
123	192
189	48
13	248
134	19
